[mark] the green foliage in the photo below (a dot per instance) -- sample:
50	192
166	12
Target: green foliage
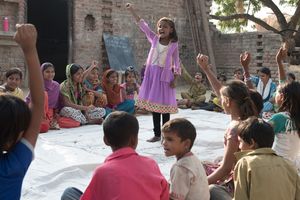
228	7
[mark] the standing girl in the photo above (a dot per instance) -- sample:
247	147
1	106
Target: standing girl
115	95
72	92
51	98
157	93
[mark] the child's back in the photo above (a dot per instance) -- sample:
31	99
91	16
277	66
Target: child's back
266	176
19	126
124	174
259	172
127	175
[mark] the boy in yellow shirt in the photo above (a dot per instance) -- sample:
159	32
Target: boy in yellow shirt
260	174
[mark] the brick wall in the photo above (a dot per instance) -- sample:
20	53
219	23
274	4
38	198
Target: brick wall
112	17
262	46
92	18
11	54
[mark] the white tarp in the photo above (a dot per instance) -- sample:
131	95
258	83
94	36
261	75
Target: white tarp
67	157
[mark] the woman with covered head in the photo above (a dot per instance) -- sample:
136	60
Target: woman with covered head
72	92
51	98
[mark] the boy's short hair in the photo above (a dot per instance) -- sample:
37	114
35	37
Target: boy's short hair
257	130
119	127
291	75
183	129
14	70
265	70
238	70
222	76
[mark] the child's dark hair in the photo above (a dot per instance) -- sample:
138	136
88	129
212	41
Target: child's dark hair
111	71
257	100
265	70
222	76
238	92
14	70
173	35
14	118
238	70
257	130
291	75
183	129
74	68
130	69
291	101
47	65
119	127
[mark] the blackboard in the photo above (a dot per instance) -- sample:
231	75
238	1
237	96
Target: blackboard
119	52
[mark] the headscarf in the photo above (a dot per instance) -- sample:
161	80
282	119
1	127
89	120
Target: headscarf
67	87
51	87
113	93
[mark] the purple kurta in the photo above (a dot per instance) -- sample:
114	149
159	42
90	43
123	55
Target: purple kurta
155	93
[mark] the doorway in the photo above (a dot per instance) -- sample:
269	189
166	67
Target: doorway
53	20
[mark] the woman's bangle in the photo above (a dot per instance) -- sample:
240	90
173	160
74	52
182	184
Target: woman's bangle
246	79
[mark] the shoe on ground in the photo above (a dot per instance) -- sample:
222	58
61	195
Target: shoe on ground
154	139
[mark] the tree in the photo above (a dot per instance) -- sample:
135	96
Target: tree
234	14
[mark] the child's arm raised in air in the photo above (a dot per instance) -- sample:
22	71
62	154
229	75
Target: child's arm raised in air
245	59
131	9
142	24
202	61
87	71
26	36
281	54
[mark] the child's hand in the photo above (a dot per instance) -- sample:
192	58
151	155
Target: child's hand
173	84
202	61
245	59
281	54
26	36
94	64
129	6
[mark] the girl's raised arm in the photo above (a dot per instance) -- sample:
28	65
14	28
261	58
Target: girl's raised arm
26	37
245	59
87	71
131	9
281	54
142	24
202	61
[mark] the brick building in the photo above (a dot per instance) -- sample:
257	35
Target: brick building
72	31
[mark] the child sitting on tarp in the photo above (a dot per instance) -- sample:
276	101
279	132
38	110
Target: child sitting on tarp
13	79
195	96
94	94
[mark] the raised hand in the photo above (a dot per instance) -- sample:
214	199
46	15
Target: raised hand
128	6
245	59
281	54
94	64
26	36
202	61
